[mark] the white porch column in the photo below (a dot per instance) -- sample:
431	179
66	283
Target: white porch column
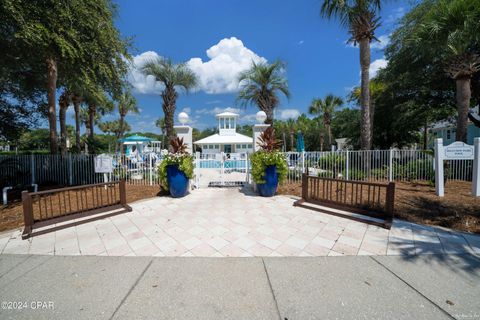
259	128
184	131
476	168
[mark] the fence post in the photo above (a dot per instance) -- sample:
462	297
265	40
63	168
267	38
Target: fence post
476	168
151	169
32	167
246	168
70	175
27	214
390	165
304	186
303	161
123	193
390	199
347	163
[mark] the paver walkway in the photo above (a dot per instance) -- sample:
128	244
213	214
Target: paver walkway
236	223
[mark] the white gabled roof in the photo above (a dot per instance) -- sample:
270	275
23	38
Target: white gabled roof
227	114
218	139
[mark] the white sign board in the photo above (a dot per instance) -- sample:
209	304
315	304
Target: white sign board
103	164
458	150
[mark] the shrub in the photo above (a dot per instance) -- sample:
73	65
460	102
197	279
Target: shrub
355	174
268	156
179	158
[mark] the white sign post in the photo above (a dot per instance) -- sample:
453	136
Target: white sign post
456	151
476	168
439	183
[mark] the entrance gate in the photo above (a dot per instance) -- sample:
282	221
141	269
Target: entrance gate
221	169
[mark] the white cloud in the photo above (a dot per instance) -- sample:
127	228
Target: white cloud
186	110
228	58
382	42
217	75
142	83
289	114
376	65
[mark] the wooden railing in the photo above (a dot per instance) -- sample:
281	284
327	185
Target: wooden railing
368	198
55	206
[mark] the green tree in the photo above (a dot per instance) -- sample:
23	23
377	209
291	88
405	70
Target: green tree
91	48
449	33
326	108
160	123
172	76
360	17
260	85
126	104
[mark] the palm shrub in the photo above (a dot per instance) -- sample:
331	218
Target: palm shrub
268	155
178	157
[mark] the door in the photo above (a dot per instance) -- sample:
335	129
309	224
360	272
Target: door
227	148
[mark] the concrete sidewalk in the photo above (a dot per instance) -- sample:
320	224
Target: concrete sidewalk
350	287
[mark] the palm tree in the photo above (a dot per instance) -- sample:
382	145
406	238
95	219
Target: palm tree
259	85
360	17
160	123
172	76
77	101
325	108
376	88
291	127
97	104
450	30
126	103
63	103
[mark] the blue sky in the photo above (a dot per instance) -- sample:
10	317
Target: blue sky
219	38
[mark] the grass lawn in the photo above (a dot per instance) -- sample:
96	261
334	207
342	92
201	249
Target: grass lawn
417	202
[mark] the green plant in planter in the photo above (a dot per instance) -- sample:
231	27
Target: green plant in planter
178	157
268	155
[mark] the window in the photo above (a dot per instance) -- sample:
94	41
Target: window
239	146
244	146
217	147
250	146
448	134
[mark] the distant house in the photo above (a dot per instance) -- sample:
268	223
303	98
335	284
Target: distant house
227	139
447	130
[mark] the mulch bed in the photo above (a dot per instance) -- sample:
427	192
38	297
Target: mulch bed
11	216
417	202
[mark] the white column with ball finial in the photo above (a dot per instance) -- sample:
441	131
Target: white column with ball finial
259	128
184	131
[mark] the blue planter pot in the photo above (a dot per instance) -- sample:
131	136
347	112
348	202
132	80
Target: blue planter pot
269	188
177	181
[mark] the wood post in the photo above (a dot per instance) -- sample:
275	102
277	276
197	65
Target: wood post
390	199
304	186
27	214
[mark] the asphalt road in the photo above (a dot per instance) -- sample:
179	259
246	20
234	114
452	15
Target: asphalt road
353	287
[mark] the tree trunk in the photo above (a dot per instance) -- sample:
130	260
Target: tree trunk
320	140
463	95
91	122
269	112
121	130
169	96
365	125
76	106
329	132
291	142
52	114
63	129
425	135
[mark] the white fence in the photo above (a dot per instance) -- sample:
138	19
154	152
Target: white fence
374	165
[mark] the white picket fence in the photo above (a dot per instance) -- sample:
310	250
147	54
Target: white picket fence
372	165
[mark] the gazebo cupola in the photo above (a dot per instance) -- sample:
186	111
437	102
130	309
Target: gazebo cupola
227	123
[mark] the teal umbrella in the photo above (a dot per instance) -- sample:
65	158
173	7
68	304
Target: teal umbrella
300	142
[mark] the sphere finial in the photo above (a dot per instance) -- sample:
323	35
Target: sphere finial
261	116
183	117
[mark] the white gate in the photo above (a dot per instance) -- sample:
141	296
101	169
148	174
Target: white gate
221	169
